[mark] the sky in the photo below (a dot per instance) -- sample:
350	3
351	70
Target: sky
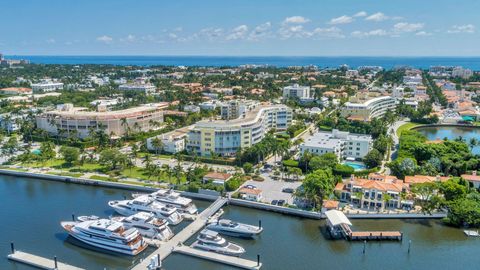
241	27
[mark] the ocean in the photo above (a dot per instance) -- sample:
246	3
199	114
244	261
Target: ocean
278	61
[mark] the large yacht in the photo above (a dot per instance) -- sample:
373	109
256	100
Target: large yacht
211	241
107	234
171	197
228	227
148	225
146	203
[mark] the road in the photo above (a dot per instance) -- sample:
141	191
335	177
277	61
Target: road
392	131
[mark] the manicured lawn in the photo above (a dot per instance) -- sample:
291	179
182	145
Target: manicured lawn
66	174
103	178
140	173
406	126
53	163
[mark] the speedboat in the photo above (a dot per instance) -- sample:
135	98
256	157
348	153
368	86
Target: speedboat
471	233
148	225
212	241
228	227
171	197
147	204
107	234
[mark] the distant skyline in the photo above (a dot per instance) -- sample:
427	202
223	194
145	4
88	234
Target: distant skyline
241	28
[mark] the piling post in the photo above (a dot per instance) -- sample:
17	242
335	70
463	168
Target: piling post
364	245
56	263
258	259
12	247
409	244
159	262
73	217
259	223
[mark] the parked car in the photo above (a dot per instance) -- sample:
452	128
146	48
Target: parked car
281	202
274	202
288	190
250	186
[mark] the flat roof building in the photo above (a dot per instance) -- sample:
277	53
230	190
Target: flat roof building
368	109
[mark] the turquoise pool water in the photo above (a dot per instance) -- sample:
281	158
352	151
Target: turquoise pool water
356	165
36	152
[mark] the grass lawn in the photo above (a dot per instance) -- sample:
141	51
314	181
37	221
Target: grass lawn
66	174
103	178
53	163
406	126
140	173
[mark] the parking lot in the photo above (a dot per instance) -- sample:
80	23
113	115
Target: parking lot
272	189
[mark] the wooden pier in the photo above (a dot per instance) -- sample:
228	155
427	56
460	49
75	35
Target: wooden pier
375	235
39	262
212	256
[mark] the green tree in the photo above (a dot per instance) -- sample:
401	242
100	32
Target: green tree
317	186
112	158
373	158
325	161
247	167
69	154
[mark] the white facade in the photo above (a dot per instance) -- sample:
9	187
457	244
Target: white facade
296	91
138	87
369	109
46	86
462	72
341	143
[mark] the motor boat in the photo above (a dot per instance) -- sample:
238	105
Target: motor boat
228	227
171	197
106	234
148	204
148	225
212	241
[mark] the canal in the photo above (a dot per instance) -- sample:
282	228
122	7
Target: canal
32	209
452	132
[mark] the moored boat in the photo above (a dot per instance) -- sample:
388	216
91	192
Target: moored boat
228	227
212	241
171	197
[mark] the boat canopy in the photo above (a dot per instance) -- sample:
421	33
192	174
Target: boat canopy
336	218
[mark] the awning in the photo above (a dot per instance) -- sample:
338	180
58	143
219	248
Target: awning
336	217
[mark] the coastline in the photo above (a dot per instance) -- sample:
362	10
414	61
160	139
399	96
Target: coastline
237	202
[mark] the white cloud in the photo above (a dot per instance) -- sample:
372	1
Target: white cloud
360	14
261	31
423	33
296	20
105	39
51	41
296	31
377	17
210	33
466	28
238	32
407	27
331	32
341	20
372	33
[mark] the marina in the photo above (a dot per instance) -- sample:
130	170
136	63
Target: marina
431	240
39	262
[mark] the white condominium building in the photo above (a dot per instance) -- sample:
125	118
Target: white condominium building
368	109
139	85
226	137
341	143
67	119
296	91
46	86
237	108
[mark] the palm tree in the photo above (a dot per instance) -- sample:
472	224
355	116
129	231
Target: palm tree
157	144
124	124
147	160
473	142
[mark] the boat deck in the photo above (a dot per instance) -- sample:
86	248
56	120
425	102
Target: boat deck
376	235
39	262
212	256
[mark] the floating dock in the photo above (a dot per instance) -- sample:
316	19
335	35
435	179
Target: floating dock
380	235
212	256
166	248
40	262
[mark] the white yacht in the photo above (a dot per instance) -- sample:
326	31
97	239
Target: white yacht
107	234
148	225
228	227
211	241
171	197
147	204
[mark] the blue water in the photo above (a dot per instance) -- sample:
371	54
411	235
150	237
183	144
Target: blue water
279	61
355	165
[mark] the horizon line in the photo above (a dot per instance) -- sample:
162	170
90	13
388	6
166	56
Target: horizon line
239	56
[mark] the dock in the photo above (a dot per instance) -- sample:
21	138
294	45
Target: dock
39	262
376	235
166	248
339	227
212	256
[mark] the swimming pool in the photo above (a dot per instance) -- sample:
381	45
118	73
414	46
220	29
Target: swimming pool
357	166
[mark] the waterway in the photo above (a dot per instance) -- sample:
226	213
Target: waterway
451	132
32	209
